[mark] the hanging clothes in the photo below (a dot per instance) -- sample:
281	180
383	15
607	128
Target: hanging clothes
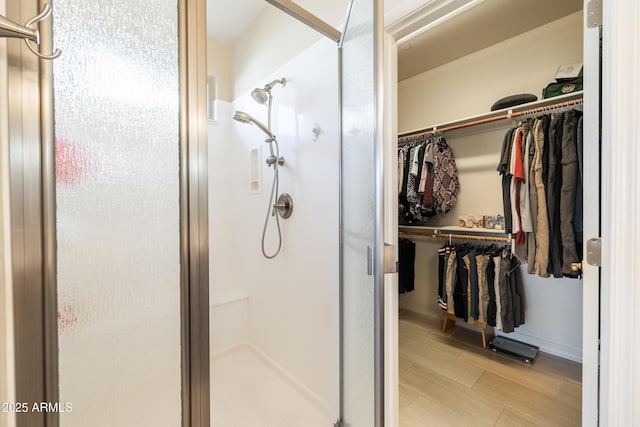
490	282
443	253
541	260
532	199
496	287
503	169
553	186
482	283
540	165
406	265
445	180
428	182
568	191
577	216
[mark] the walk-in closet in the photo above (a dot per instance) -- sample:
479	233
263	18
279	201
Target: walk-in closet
468	213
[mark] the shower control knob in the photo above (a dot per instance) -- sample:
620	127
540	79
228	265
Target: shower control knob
272	159
284	206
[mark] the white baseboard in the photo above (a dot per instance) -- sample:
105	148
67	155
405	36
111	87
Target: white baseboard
550	347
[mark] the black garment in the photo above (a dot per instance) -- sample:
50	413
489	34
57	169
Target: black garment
406	165
515	282
473	285
406	267
491	310
460	290
506	300
568	191
503	169
578	216
404	216
442	271
552	189
421	154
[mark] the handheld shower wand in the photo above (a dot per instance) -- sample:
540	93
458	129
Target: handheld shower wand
243	117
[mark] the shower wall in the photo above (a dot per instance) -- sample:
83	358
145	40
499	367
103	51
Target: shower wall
293	300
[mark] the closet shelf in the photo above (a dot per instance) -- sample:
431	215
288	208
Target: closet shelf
505	113
454	232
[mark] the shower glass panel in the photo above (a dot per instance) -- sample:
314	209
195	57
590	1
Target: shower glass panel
116	97
358	217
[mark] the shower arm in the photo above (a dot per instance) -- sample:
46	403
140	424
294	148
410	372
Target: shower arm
30	35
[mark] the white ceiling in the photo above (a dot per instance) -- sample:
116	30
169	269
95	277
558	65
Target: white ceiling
227	19
483	25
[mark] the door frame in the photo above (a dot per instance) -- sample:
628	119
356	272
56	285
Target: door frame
30	142
33	222
591	222
620	324
414	17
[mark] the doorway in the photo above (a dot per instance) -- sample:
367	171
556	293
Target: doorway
474	156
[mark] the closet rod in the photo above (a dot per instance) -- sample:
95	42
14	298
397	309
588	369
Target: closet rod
458	236
505	116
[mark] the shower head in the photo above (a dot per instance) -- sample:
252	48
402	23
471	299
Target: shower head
243	117
261	95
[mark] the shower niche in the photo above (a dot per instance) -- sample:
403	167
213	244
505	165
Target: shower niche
255	175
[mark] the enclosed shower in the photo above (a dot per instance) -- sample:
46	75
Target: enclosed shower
283	203
138	280
136	257
275	281
278	312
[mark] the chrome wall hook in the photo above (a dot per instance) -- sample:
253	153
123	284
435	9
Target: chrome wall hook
30	35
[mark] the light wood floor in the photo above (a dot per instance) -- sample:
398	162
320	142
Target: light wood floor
448	379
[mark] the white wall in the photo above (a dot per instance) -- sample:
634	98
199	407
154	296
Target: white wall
469	86
275	38
221	207
219	64
522	64
6	308
294	298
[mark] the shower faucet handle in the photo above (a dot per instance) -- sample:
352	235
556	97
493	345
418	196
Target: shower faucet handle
272	159
284	206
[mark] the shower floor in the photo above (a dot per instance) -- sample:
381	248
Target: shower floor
246	391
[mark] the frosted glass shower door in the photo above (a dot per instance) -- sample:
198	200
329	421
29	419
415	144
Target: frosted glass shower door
116	97
362	397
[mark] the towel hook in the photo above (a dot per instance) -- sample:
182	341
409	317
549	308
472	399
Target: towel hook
46	12
30	35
